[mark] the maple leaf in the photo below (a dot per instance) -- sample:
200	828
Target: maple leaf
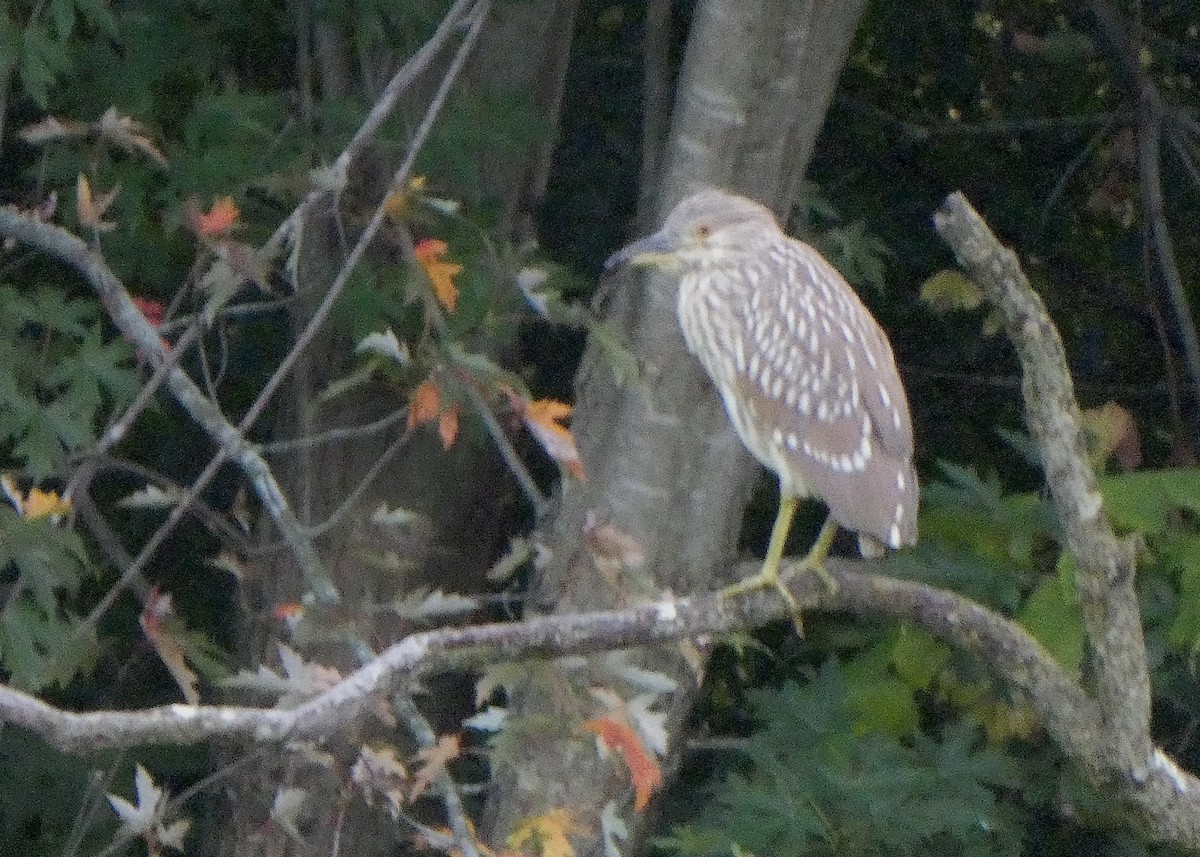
219	219
90	209
425	406
617	734
44	504
543	418
145	819
545	835
157	608
429	252
435	759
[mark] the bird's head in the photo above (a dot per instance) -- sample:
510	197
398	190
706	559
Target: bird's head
703	230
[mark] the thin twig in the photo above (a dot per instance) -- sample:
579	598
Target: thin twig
1149	131
336	435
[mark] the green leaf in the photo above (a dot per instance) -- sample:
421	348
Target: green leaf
1144	500
1182	551
918	657
38	649
812	786
1052	615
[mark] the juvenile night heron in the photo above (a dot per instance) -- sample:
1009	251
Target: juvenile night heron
806	373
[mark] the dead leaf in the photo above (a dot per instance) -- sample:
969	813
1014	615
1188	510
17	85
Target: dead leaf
153	310
398	204
617	734
243	260
424	404
51	130
90	209
1112	432
128	134
609	543
157	608
435	759
448	426
429	253
545	835
543	418
380	772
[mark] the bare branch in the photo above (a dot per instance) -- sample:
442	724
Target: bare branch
960	622
231	442
1119	750
1066	711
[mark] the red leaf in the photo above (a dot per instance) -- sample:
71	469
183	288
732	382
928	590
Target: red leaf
643	770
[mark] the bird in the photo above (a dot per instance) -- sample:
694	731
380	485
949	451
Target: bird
805	372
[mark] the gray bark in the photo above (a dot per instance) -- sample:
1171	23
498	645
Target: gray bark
464	494
664	465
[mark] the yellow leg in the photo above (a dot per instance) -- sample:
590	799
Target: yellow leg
812	561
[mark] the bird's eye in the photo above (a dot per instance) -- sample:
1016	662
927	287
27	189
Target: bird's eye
703	231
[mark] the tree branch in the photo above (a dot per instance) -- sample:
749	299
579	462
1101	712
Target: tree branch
958	621
112	293
1106	565
1066	711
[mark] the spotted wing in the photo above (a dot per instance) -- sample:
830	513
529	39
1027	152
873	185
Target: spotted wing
817	389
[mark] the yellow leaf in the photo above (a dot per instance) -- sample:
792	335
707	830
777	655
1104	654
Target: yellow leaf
399	202
1111	431
429	253
90	209
545	835
41	504
435	758
542	417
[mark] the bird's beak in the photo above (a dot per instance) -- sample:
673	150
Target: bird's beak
655	250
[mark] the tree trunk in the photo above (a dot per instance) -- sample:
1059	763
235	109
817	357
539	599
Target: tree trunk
664	465
462	493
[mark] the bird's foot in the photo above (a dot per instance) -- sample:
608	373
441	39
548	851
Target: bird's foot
770	577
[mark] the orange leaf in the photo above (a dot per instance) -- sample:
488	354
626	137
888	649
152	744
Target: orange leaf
441	274
157	608
545	835
448	426
643	770
435	758
219	219
424	404
151	309
43	504
89	209
542	418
